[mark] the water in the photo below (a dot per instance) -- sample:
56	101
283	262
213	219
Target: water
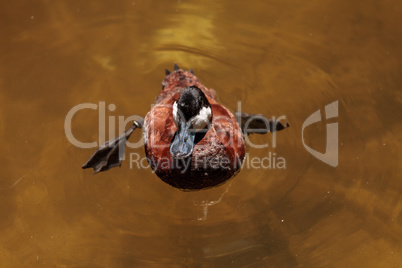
277	58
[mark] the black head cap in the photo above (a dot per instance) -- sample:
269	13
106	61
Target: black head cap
191	102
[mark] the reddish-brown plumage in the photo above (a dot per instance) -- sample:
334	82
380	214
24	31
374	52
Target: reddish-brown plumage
217	155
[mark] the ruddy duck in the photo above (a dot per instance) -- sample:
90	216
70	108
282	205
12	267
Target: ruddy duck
191	141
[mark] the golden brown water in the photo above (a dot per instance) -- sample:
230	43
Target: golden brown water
277	58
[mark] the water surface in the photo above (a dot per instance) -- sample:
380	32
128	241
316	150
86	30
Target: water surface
277	58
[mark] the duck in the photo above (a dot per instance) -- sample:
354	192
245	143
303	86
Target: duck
191	141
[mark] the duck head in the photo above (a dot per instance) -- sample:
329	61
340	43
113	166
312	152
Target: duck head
191	114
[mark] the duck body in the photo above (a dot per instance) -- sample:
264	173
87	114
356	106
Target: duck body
218	148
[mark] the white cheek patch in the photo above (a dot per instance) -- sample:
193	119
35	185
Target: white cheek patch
175	114
202	119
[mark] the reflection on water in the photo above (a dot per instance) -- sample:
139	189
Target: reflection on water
277	58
